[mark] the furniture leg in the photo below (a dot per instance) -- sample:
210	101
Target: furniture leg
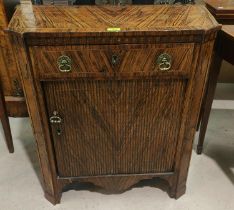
5	123
208	99
202	110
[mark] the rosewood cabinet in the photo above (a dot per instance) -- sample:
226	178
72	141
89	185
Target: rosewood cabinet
113	92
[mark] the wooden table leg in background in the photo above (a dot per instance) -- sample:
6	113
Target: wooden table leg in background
208	99
223	51
5	123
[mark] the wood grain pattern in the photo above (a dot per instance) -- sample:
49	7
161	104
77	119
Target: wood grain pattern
222	6
223	51
95	60
8	66
16	106
223	11
125	126
113	124
51	186
5	123
228	30
8	71
83	21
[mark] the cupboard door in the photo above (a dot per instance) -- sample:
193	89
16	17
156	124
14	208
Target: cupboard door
102	127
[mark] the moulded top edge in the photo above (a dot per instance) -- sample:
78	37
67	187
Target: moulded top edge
112	20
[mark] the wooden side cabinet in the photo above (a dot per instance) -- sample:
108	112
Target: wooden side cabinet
9	77
113	92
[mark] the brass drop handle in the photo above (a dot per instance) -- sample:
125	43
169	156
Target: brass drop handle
64	63
55	119
164	62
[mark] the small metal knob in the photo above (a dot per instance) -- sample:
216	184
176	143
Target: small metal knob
164	62
64	63
55	119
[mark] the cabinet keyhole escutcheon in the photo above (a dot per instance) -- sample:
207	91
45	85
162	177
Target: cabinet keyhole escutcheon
115	59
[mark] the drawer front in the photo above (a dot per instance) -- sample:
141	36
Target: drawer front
119	60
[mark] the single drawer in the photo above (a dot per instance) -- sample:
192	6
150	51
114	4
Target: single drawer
111	60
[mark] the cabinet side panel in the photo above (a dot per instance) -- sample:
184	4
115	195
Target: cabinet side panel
197	88
49	181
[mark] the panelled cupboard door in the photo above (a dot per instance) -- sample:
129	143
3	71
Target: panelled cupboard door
114	124
114	127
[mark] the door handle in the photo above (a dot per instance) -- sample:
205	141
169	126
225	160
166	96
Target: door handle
55	119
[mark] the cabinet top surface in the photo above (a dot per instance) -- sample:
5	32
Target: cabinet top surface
99	20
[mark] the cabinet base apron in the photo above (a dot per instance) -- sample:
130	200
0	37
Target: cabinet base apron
116	184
